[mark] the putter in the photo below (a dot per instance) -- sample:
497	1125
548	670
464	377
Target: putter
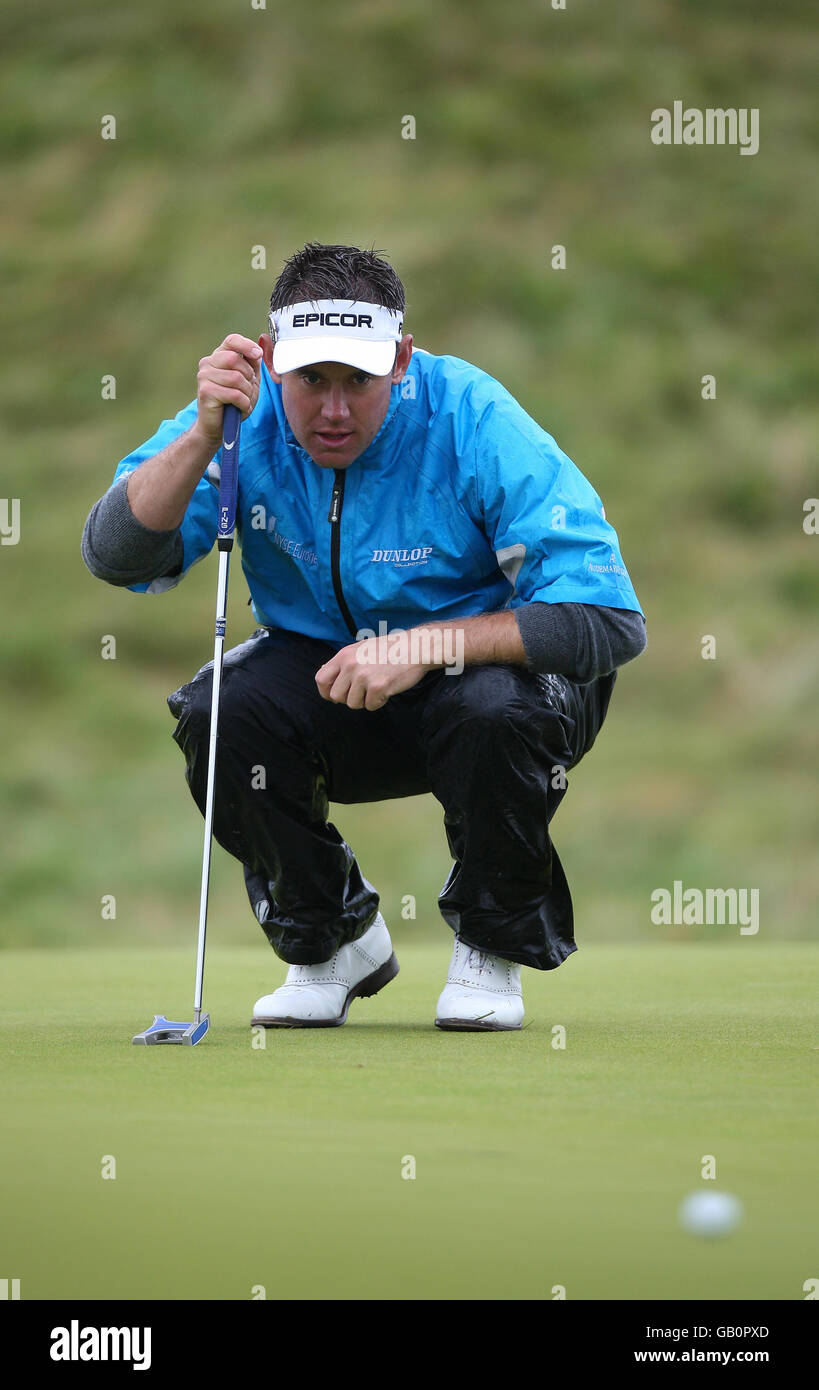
163	1030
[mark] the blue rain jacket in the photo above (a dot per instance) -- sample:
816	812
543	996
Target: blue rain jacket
461	505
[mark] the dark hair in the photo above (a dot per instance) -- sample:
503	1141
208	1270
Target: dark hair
337	272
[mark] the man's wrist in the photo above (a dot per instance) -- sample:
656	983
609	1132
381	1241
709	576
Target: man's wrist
483	638
203	441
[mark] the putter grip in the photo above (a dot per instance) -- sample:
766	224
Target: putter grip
229	478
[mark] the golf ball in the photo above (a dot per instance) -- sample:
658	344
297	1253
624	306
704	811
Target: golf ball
710	1213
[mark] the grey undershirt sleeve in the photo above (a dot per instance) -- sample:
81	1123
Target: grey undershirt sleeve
117	547
579	640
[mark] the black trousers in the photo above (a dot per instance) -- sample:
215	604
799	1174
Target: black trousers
492	745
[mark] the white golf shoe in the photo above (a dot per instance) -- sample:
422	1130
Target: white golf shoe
318	996
482	992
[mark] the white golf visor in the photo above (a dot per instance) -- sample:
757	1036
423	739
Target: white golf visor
336	330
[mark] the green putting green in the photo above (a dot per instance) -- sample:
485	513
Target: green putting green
240	1167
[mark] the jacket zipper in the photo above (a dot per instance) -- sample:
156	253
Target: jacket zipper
334	518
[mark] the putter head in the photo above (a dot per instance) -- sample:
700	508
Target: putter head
162	1030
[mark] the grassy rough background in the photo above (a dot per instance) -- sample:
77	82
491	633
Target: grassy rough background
239	127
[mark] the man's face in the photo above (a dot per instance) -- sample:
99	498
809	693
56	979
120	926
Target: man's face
334	410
